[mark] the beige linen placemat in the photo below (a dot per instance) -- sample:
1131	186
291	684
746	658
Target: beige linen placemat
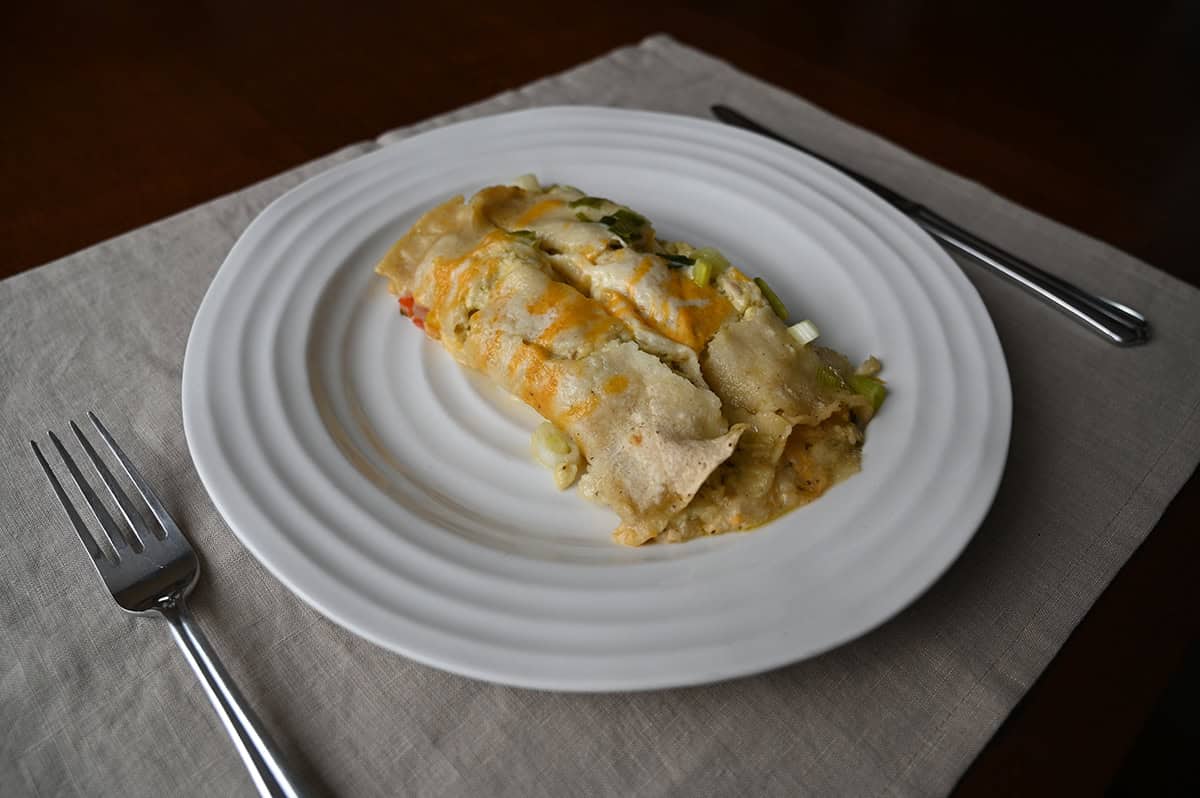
96	703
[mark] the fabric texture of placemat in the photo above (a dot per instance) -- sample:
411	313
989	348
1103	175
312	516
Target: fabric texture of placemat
98	703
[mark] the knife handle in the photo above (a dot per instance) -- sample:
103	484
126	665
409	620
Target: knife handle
1111	320
1117	323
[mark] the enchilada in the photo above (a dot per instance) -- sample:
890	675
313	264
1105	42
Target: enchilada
672	387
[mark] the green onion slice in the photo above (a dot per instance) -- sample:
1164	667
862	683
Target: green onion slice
677	261
772	298
626	224
588	202
870	387
805	332
719	262
549	440
828	377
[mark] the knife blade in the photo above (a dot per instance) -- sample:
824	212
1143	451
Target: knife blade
1115	322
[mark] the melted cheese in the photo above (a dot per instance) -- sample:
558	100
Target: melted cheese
695	411
665	299
538	211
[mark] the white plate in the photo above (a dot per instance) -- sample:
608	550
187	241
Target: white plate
394	491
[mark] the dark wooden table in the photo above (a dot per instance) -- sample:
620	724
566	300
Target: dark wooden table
115	116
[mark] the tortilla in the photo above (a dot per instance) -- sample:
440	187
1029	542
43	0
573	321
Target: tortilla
694	409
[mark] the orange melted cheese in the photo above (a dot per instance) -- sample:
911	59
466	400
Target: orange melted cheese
616	384
620	307
581	409
535	369
537	374
676	308
639	274
698	317
572	312
537	211
450	285
489	352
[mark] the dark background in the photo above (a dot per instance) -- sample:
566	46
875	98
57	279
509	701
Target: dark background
112	117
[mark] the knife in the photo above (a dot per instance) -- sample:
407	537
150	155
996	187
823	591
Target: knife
1119	324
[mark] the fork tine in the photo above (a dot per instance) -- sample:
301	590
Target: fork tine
81	529
156	506
140	532
106	522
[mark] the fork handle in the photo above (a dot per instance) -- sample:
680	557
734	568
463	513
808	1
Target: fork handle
265	763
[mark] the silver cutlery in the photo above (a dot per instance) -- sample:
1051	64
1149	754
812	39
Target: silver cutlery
150	569
1113	321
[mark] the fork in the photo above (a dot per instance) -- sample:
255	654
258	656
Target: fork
152	573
